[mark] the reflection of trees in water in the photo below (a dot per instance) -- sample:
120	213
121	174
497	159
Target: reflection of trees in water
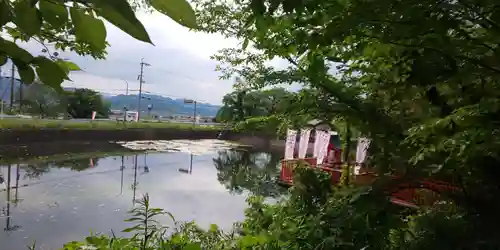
257	172
36	170
76	164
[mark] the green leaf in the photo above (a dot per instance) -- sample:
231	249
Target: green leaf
192	246
25	71
88	29
120	14
214	228
245	44
50	72
179	10
248	241
67	66
14	51
27	17
5	13
131	229
55	14
3	59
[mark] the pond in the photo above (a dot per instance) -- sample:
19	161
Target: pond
58	200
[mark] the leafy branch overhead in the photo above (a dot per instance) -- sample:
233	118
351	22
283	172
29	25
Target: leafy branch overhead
76	26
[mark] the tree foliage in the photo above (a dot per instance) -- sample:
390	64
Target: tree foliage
71	25
246	170
241	104
82	102
420	78
44	101
273	110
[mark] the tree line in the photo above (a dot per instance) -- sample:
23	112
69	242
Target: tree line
273	110
45	102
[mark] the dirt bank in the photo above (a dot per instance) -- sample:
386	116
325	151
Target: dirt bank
24	136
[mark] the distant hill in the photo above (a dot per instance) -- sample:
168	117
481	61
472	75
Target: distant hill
161	105
5	83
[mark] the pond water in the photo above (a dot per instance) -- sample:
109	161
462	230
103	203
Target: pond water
56	201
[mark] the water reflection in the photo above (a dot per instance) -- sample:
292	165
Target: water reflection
9	227
190	170
36	170
57	201
243	170
137	168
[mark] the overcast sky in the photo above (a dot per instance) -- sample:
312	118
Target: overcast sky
180	62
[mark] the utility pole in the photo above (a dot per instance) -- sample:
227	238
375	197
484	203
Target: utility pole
194	114
191	101
140	88
12	87
21	97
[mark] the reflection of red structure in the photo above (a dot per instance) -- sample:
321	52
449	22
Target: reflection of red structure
412	196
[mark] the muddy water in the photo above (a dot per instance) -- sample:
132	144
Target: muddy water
59	200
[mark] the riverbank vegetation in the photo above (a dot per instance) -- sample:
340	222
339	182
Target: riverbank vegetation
44	102
14	123
272	110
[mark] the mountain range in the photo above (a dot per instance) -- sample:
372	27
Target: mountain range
161	105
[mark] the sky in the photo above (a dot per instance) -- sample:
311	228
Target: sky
180	62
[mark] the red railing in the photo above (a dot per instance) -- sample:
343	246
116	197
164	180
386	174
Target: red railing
287	167
403	194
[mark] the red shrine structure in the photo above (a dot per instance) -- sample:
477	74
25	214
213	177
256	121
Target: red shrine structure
320	147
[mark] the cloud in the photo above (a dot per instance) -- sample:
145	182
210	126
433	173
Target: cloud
180	62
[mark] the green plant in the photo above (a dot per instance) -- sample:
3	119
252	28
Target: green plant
146	227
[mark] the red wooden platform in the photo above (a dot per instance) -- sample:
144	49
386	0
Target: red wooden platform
404	196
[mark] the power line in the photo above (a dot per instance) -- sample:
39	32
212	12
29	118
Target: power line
166	71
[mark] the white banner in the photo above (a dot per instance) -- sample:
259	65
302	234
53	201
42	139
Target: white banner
291	139
361	150
316	143
304	142
324	140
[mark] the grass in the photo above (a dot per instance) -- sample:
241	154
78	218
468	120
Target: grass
12	123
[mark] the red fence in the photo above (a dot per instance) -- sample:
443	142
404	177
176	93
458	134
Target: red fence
287	167
402	195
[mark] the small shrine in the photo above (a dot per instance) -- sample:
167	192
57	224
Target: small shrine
320	146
